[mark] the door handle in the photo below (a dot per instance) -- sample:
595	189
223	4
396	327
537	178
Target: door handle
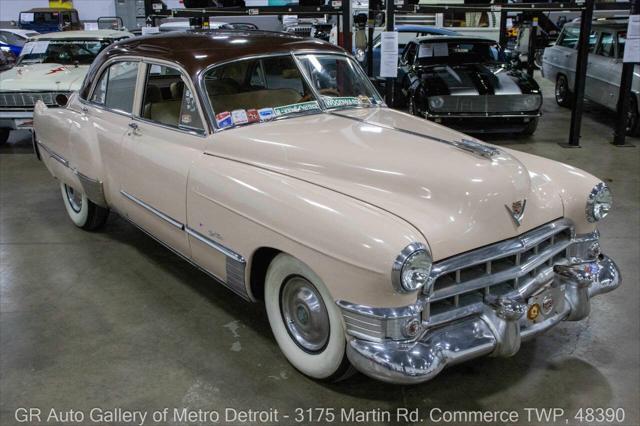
135	129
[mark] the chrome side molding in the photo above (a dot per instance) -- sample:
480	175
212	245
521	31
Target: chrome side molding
153	210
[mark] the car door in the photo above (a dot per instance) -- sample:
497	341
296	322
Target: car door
166	135
105	116
593	85
561	58
606	70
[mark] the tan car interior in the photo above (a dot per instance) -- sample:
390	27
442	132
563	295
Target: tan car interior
163	106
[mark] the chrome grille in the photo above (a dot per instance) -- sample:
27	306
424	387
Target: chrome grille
488	103
300	30
460	283
27	100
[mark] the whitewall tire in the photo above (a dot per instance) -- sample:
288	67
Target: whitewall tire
304	319
82	212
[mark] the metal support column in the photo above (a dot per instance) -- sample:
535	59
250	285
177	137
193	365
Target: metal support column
581	76
531	48
389	20
503	27
346	25
370	30
624	96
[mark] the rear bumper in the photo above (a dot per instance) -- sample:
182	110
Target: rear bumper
16	120
498	330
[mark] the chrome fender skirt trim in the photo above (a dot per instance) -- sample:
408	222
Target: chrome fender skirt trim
153	210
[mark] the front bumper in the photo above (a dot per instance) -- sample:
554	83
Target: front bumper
497	330
485	123
16	120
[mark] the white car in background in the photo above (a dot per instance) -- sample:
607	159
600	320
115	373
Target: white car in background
49	65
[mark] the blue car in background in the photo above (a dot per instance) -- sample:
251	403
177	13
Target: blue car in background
12	41
406	33
49	19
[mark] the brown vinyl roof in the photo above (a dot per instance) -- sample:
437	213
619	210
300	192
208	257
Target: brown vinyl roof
195	51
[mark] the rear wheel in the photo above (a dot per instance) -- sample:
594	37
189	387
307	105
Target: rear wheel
82	212
563	93
4	135
305	321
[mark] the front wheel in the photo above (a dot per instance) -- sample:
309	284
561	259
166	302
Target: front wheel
4	135
563	93
305	321
82	212
530	128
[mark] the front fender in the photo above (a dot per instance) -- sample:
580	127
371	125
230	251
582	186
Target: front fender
572	184
350	244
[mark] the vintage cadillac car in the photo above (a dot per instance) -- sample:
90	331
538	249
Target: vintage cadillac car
373	238
604	70
466	84
49	64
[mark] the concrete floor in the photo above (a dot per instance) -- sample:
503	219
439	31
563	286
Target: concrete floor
114	320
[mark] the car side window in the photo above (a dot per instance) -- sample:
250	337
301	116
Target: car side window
570	36
409	54
622	38
168	100
607	45
116	87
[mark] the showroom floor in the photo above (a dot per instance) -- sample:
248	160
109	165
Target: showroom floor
112	319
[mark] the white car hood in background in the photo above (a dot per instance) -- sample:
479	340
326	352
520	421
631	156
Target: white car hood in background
43	77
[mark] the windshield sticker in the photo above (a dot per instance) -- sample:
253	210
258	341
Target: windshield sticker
293	108
253	116
27	48
341	101
224	120
40	47
239	116
266	114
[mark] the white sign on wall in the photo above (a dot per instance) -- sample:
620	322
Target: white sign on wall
389	54
150	30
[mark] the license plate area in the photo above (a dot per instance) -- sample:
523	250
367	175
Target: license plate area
545	304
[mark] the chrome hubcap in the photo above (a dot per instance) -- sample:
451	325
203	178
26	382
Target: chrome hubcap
75	198
304	314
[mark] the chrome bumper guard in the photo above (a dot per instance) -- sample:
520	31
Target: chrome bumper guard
497	329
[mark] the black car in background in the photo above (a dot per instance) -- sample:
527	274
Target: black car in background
467	84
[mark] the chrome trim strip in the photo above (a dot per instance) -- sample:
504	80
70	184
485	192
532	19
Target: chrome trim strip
153	210
473	147
55	156
191	262
215	245
383	313
490	115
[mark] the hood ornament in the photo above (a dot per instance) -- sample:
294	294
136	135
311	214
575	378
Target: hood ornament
477	148
517	210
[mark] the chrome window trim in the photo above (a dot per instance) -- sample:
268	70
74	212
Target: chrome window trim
153	210
187	80
100	74
215	245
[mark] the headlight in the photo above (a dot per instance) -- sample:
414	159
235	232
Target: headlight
532	102
436	102
412	268
599	202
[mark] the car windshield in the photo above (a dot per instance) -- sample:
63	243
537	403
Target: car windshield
261	89
65	52
339	81
457	52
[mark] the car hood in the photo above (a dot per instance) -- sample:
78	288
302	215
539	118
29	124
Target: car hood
43	77
457	199
476	79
